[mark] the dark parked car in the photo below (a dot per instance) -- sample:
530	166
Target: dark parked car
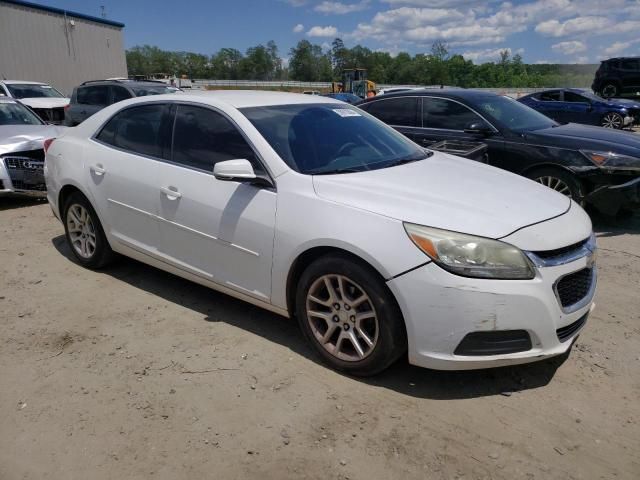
581	106
93	96
590	164
617	76
345	97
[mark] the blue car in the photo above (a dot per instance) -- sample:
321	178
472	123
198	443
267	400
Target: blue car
573	105
345	97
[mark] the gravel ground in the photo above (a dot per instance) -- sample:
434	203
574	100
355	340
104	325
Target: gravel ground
134	373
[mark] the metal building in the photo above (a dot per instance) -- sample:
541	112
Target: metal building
59	47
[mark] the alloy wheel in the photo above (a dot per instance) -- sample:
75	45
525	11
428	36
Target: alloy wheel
82	232
555	184
612	120
342	317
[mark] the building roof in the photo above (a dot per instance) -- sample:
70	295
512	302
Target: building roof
60	11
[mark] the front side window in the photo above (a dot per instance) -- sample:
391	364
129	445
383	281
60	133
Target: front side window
29	90
120	94
328	138
401	111
96	95
446	114
17	114
574	98
136	129
202	138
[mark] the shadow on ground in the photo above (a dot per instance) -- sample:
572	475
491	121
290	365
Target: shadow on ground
9	203
608	226
401	377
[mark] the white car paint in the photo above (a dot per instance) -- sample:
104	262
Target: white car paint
36	102
243	240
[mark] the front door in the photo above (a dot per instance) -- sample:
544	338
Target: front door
122	174
220	230
577	109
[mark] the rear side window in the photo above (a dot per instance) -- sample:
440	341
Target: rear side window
549	96
120	93
446	114
401	111
136	129
574	98
96	95
202	138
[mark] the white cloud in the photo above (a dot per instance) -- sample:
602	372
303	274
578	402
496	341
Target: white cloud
317	31
580	59
298	28
487	55
570	47
295	3
592	24
339	8
618	48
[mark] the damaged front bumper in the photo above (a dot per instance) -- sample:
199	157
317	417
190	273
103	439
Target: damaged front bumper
609	199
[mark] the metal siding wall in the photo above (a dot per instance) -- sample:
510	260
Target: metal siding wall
33	46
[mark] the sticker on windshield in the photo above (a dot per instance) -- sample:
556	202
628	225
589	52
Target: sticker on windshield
346	112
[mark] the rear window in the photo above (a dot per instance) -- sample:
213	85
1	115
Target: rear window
401	111
96	95
143	91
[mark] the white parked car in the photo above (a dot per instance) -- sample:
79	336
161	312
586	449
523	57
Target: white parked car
45	100
312	208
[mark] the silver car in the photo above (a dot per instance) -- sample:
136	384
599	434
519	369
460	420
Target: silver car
22	143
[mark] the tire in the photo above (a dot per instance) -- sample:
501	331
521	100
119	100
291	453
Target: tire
385	330
560	181
610	90
84	233
612	120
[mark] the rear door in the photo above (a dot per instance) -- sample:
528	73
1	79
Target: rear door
122	173
89	100
402	113
222	231
630	74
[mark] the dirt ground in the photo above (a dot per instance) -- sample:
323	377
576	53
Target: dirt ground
134	373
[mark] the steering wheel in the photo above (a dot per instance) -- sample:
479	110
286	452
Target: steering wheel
345	148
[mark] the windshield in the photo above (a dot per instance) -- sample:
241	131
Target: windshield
27	90
16	114
511	114
143	91
331	138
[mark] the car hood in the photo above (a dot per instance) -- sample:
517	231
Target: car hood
621	102
46	102
447	192
578	136
21	138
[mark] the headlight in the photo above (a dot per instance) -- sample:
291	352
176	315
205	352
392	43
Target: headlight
612	160
471	256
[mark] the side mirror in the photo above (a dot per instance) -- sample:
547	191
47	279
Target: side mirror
238	170
478	128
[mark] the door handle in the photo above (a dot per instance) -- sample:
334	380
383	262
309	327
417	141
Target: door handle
171	194
98	169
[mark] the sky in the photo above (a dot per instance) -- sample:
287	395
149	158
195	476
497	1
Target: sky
542	31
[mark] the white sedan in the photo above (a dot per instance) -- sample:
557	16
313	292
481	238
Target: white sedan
313	209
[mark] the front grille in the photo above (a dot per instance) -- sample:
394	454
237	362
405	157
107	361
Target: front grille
495	342
574	287
26	173
565	333
559	252
51	115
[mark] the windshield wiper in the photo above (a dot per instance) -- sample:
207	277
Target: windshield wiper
410	159
335	171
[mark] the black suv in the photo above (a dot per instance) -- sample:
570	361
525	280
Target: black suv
590	164
617	76
93	96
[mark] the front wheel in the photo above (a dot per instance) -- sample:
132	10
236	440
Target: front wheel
613	120
349	316
560	181
84	233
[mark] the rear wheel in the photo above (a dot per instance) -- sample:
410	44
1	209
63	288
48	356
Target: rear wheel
85	235
560	181
349	316
612	120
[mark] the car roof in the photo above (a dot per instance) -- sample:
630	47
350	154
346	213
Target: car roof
115	81
249	98
458	94
27	82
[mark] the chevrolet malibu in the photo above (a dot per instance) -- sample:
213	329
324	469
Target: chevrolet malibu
313	209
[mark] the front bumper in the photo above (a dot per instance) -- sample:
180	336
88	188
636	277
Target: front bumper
609	199
441	309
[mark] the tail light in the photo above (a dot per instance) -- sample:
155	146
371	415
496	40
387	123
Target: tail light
66	107
47	144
